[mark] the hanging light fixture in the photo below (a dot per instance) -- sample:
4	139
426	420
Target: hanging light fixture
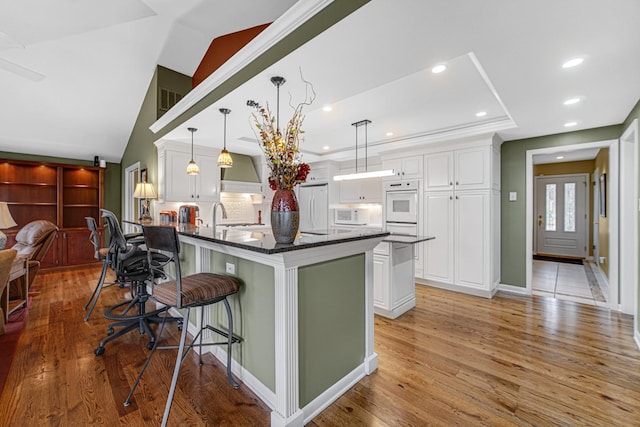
278	81
224	159
366	173
192	167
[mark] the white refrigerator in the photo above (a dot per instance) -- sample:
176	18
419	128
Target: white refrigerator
314	208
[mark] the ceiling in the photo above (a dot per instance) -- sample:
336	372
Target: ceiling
502	57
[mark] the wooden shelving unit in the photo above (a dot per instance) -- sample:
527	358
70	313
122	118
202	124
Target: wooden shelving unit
60	193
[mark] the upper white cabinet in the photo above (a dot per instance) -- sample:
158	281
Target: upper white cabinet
405	168
465	169
367	190
318	174
174	185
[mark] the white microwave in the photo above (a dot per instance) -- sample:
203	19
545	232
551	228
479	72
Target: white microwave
351	216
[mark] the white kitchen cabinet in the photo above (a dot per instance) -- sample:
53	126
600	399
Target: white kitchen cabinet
380	280
466	230
439	223
318	174
367	190
393	279
465	169
174	185
438	171
405	168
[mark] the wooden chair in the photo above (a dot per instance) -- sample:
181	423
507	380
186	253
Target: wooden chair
7	257
196	290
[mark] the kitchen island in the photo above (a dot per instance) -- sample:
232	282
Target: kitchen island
304	313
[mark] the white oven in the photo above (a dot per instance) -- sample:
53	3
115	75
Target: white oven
401	202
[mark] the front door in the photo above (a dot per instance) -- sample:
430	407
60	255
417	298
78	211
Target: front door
561	215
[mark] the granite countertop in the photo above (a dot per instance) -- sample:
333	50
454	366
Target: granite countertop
263	241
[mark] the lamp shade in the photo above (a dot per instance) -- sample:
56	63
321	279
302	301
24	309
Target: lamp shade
6	220
144	190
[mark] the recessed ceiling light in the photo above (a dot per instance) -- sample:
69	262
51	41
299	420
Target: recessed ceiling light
327	108
571	101
389	133
326	147
572	63
438	69
481	113
570	124
559	157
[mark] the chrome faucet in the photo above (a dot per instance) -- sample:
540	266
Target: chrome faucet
224	213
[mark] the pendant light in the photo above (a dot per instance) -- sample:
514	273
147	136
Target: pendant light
366	173
224	159
192	167
278	81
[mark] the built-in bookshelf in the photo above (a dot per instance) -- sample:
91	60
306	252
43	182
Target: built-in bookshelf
60	193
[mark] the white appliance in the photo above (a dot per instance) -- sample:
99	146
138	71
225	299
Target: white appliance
401	202
351	216
313	201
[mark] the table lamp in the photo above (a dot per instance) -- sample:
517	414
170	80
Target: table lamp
6	221
144	190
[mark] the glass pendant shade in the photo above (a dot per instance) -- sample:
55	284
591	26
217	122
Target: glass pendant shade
224	159
192	167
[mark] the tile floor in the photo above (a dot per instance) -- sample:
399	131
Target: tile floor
568	282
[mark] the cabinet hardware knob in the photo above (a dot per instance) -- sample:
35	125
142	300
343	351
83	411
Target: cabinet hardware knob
450	184
457	183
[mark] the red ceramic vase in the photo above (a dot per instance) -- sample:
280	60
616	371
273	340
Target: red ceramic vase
285	216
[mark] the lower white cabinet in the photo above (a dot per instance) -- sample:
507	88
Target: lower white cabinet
393	279
465	250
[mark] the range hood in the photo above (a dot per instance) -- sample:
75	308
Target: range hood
241	178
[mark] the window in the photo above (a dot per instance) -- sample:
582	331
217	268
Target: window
550	207
570	207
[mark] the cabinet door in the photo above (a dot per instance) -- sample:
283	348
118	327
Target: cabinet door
179	186
438	171
370	190
472	238
76	247
472	168
349	189
207	182
381	297
396	165
412	167
439	222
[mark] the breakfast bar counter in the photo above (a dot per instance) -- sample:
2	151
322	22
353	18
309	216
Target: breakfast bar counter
304	313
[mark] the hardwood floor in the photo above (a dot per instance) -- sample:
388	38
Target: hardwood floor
454	360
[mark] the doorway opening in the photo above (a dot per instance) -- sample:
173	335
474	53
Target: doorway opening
131	209
560	208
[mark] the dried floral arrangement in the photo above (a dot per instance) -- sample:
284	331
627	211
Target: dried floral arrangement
282	148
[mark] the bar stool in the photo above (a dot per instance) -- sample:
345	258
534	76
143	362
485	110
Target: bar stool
196	290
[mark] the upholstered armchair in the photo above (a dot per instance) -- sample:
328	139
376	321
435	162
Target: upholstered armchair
34	240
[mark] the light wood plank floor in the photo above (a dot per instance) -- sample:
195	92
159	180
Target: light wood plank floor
454	360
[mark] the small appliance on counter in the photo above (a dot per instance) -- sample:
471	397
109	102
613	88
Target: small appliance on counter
168	217
188	214
351	216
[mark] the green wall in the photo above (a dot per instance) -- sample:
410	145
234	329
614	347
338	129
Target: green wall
331	312
140	147
513	178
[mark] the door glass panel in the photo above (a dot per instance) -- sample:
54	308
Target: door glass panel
570	207
550	207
